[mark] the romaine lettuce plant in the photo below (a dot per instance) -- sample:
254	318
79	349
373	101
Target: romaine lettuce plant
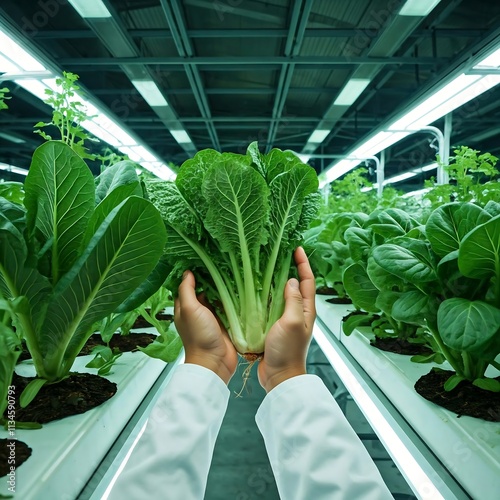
235	220
75	251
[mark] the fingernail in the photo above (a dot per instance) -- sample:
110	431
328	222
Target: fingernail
185	275
294	283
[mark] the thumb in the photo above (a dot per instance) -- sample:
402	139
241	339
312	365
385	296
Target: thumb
187	293
294	307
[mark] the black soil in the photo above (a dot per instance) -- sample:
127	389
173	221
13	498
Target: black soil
400	346
19	453
125	343
465	399
76	394
140	322
326	290
339	300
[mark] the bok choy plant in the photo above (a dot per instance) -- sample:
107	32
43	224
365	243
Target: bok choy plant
235	220
73	253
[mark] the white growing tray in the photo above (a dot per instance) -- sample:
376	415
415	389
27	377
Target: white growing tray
468	447
66	452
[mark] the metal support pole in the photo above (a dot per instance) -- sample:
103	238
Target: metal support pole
381	174
448	127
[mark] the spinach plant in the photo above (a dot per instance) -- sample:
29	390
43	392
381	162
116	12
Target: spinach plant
3	98
76	251
453	277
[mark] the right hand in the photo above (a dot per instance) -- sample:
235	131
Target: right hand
288	339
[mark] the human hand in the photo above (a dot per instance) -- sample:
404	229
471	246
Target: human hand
205	340
288	340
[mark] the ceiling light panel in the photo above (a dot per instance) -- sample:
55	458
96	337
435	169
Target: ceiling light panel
181	136
90	8
418	7
150	92
17	55
319	135
351	91
492	61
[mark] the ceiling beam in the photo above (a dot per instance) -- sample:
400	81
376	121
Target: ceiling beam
252	60
292	49
173	13
259	33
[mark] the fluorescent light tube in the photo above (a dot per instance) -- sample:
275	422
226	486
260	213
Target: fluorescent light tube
303	158
17	55
431	166
319	135
35	87
133	155
351	91
418	7
418	192
12	138
7	66
150	92
399	178
13	169
100	133
144	153
90	8
492	61
181	136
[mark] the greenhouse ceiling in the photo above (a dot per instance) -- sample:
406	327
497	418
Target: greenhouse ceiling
319	77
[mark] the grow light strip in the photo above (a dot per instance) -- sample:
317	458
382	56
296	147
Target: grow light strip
419	481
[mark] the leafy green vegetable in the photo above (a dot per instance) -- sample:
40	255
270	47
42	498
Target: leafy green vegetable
68	264
235	221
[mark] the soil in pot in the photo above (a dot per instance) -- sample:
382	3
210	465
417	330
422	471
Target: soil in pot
76	394
12	449
465	399
400	346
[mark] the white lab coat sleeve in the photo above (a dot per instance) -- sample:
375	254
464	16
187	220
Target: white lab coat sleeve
313	450
172	458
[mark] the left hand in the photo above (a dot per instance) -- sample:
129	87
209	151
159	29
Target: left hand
205	340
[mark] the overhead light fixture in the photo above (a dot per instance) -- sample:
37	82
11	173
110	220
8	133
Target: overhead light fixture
150	92
144	153
351	91
90	8
7	66
304	158
418	7
319	135
492	61
399	178
181	136
35	87
418	192
13	169
12	138
431	166
14	53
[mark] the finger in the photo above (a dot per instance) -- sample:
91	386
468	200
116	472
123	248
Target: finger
307	285
187	294
177	308
293	315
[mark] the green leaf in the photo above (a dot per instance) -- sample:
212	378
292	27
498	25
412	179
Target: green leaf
359	241
405	264
467	326
391	222
10	350
488	384
479	253
421	358
237	198
120	175
382	279
448	225
124	250
355	321
166	348
452	382
30	391
360	289
60	200
415	307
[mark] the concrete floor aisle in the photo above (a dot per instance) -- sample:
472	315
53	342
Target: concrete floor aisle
240	467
